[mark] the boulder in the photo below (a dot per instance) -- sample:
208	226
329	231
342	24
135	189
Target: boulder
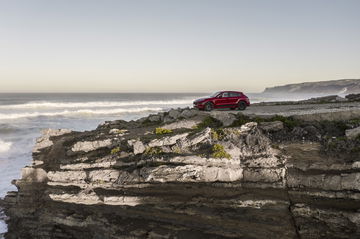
225	118
138	147
154	118
174	113
188	113
168	119
271	126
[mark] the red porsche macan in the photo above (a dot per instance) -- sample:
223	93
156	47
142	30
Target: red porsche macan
223	99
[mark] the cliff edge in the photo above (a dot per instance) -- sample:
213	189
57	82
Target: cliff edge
190	174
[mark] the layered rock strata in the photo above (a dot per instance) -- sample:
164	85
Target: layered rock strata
124	181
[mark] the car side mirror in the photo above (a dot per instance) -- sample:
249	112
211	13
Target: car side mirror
219	96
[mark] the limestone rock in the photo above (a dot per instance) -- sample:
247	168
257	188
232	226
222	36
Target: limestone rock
168	140
139	147
182	124
88	146
268	185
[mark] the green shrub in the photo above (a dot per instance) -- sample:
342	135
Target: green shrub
160	131
289	122
209	122
217	134
241	120
153	151
218	151
115	150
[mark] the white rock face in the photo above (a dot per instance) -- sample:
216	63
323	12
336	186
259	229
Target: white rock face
106	175
200	137
185	124
352	133
139	147
67	176
168	140
44	141
88	146
191	173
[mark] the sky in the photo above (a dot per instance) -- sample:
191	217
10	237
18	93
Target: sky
175	46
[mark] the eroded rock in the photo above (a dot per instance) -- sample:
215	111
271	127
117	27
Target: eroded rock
88	146
44	141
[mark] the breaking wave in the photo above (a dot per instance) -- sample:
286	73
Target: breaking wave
5	146
77	112
94	104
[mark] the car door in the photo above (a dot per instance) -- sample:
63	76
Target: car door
223	101
233	99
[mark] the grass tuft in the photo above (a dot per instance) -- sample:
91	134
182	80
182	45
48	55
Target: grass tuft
218	151
160	131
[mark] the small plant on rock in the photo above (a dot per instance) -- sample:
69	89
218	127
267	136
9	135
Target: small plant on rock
217	134
209	122
115	150
153	151
160	131
218	151
289	122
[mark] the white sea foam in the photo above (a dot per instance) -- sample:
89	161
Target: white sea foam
77	112
5	146
94	104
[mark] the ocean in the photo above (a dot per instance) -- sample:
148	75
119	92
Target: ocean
23	116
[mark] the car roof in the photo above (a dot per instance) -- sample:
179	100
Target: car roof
230	91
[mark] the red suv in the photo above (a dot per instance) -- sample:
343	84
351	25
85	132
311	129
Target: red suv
223	99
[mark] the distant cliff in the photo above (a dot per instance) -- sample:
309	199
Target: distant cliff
346	86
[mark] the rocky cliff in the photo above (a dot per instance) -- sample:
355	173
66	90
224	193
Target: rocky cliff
190	174
347	86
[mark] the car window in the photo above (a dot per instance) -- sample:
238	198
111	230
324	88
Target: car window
234	94
215	94
225	94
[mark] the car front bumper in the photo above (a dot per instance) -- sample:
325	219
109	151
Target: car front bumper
199	106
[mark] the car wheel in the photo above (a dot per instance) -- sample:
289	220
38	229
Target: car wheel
209	106
242	105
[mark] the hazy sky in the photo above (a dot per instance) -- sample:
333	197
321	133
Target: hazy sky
177	46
